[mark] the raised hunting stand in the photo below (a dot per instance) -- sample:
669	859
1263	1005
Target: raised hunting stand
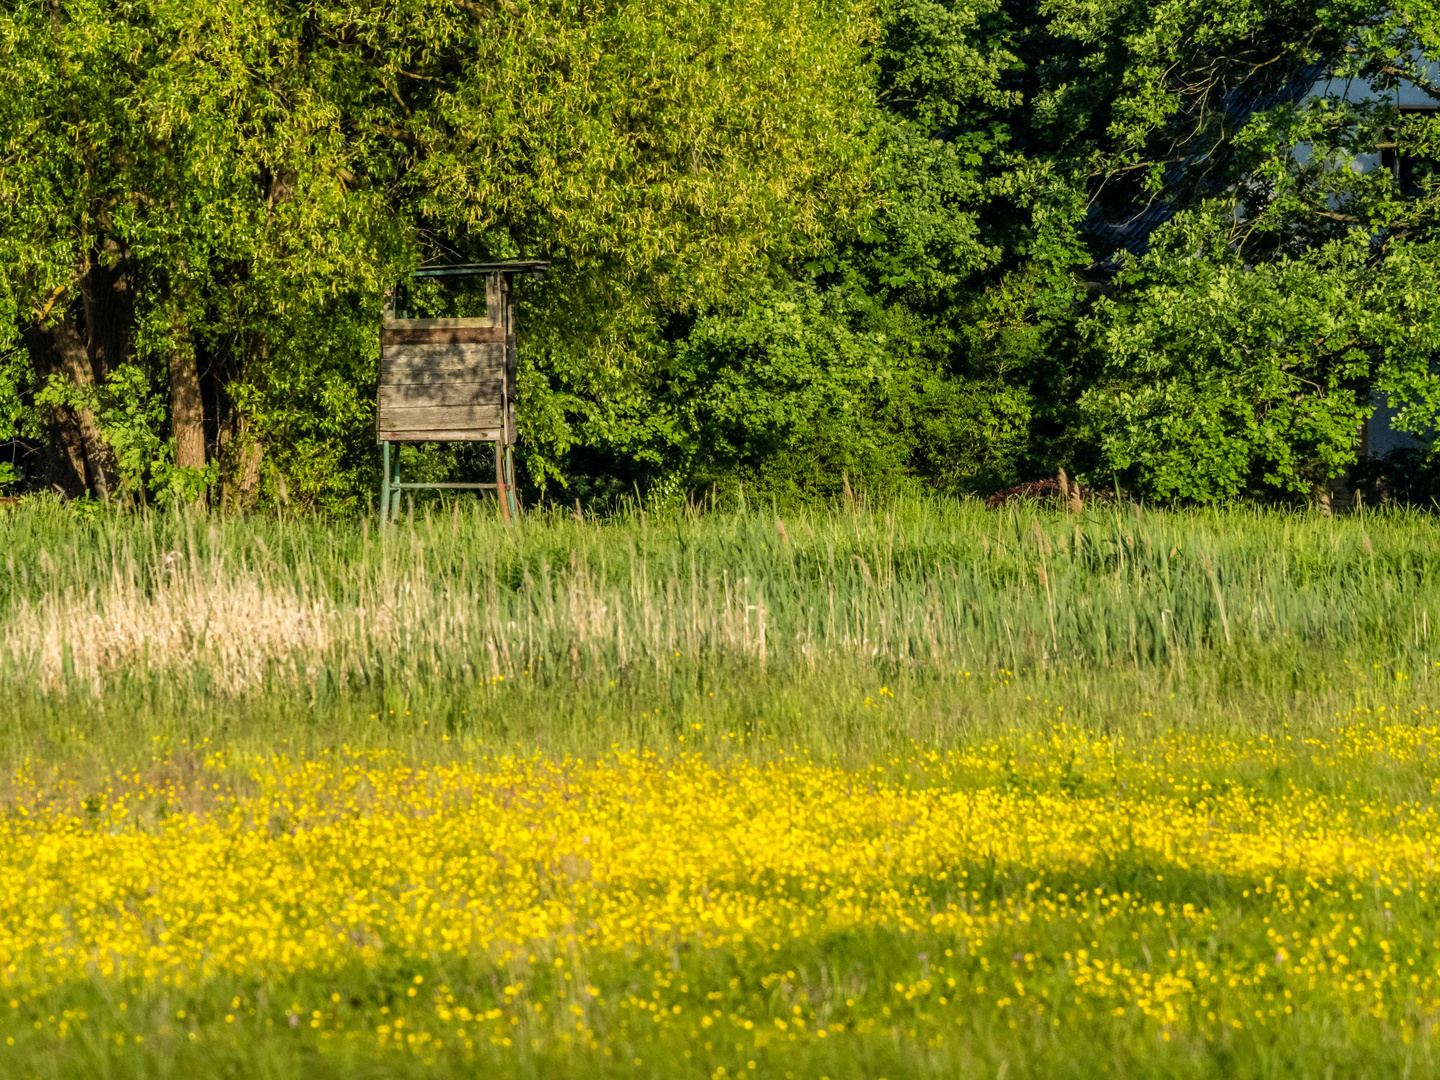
451	380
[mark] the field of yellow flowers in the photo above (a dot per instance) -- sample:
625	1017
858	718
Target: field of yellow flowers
1053	902
880	791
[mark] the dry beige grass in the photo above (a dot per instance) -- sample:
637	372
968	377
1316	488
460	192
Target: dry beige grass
238	628
248	631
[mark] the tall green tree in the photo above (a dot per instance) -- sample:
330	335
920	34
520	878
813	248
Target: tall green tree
249	178
1295	286
1148	241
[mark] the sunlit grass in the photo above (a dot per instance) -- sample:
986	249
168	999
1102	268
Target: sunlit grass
272	626
919	791
654	914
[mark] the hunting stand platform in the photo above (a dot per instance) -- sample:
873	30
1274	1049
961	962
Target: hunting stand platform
450	380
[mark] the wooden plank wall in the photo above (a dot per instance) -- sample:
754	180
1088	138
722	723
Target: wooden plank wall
449	380
441	391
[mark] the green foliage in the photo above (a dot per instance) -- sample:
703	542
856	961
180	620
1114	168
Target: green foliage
788	243
17	419
806	388
1239	354
1218	379
308	399
269	171
782	397
129	414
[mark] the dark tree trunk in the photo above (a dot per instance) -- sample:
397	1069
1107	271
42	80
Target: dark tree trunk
60	349
65	466
84	346
109	300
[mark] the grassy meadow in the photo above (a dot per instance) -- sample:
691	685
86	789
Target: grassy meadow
920	790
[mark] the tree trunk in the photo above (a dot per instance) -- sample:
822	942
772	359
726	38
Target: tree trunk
249	482
109	312
59	349
66	470
187	407
187	411
84	346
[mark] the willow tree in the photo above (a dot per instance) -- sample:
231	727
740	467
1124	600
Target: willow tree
202	202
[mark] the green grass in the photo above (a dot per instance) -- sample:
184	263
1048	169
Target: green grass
571	635
858	637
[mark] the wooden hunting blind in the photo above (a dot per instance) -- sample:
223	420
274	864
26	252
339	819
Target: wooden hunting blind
450	379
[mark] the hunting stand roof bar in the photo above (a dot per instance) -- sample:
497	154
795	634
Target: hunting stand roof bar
451	380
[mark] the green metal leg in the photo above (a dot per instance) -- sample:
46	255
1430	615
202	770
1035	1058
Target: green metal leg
390	491
384	483
395	490
500	498
510	483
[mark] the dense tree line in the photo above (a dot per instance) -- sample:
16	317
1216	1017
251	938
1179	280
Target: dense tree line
946	245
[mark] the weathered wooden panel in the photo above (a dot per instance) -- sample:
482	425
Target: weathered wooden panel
438	417
459	335
435	324
449	380
441	363
489	392
465	435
